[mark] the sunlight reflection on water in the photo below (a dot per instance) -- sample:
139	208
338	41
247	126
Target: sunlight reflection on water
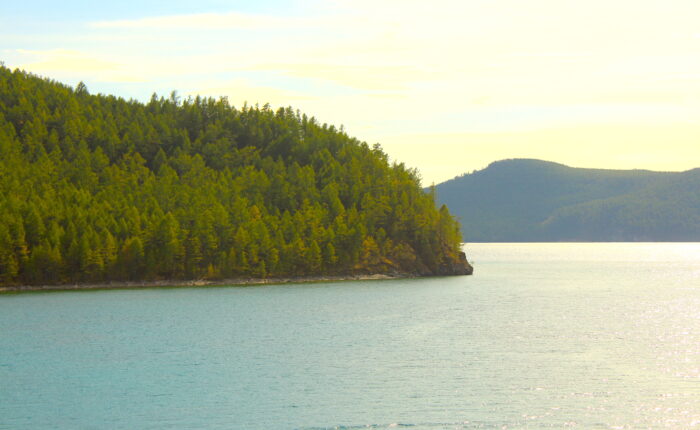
542	336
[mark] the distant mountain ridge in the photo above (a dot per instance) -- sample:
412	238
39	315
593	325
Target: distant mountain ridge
521	200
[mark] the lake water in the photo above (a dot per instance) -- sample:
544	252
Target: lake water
542	336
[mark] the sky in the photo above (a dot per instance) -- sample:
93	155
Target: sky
444	86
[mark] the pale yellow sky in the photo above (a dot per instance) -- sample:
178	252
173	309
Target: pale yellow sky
444	86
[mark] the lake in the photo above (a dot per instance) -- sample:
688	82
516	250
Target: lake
542	336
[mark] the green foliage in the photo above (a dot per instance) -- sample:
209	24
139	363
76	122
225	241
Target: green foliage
97	188
532	200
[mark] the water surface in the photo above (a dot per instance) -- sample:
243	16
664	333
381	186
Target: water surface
542	336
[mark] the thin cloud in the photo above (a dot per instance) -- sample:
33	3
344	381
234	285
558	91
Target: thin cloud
65	60
410	66
202	21
72	62
239	91
365	77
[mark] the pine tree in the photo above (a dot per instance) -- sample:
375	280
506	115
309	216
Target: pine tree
96	188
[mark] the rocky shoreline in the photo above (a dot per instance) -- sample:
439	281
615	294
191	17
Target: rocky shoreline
459	268
198	283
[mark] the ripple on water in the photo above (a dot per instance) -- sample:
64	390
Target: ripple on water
542	336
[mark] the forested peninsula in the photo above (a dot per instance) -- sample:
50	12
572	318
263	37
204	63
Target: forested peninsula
95	189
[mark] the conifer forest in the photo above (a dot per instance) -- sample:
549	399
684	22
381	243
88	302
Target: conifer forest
96	188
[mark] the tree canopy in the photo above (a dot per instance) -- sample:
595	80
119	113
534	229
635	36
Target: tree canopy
98	188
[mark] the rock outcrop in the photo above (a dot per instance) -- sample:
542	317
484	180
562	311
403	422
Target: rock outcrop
456	268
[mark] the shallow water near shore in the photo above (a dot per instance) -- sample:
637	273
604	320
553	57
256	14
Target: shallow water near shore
542	336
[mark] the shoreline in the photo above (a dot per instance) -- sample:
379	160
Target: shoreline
233	282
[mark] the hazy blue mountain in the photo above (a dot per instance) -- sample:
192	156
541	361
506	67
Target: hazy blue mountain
532	200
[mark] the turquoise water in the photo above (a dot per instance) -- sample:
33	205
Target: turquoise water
542	336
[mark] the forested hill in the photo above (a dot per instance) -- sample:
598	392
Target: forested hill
532	200
96	188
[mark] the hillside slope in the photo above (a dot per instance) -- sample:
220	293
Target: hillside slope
96	188
531	200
